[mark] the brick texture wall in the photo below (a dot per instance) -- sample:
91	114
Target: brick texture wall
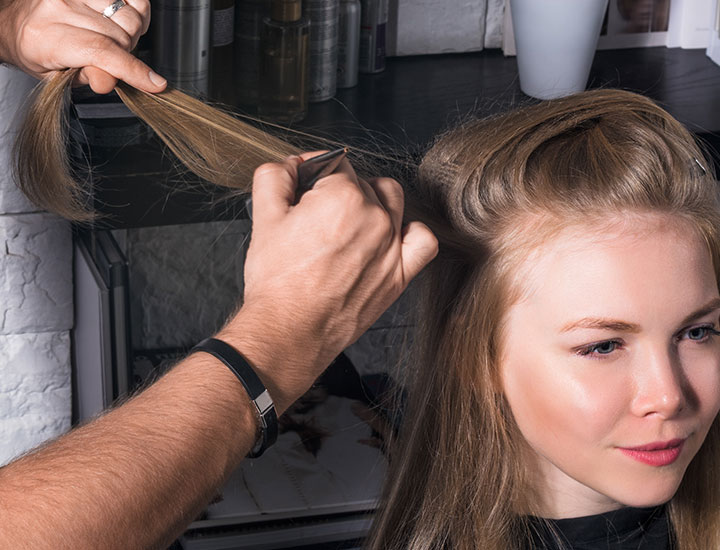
36	310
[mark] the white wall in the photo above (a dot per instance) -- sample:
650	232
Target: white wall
417	27
36	311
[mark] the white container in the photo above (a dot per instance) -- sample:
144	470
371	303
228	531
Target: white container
556	42
713	50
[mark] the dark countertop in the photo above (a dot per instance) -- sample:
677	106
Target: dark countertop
403	107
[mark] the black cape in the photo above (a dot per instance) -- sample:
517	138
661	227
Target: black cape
623	529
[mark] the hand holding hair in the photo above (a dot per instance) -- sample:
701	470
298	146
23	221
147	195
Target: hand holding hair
321	272
43	36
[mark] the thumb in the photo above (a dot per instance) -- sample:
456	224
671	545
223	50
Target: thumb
419	246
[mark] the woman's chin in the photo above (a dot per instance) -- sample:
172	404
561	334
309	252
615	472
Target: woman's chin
649	498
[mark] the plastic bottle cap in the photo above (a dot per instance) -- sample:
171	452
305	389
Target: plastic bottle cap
286	10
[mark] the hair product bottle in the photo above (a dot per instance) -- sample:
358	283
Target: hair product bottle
181	43
348	43
221	58
373	23
249	15
323	16
284	63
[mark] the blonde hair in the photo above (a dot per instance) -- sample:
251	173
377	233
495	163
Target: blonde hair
214	145
457	479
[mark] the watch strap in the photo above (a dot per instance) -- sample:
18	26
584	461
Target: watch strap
257	391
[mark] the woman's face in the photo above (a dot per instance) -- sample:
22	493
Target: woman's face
611	365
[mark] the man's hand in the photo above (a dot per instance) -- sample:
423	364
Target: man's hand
319	273
43	36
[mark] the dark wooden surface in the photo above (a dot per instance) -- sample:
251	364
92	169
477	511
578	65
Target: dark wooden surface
403	108
418	96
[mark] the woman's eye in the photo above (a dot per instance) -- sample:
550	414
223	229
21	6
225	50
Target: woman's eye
601	348
701	333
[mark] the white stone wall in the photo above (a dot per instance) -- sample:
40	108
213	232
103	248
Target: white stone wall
36	310
418	27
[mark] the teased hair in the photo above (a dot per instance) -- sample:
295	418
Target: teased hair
456	480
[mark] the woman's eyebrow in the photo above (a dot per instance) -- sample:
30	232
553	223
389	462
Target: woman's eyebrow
703	311
601	323
622	326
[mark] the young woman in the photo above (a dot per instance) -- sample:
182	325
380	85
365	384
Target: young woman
569	361
567	379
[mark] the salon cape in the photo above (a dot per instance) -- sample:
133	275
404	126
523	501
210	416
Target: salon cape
623	529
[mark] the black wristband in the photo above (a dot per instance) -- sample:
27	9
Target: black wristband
258	393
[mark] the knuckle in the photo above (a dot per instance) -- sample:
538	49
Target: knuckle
351	194
266	169
135	27
346	194
398	190
381	220
143	8
374	223
125	40
391	185
392	190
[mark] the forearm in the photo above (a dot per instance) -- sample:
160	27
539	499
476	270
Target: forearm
137	476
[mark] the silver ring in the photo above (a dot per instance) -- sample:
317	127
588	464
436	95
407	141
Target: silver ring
112	8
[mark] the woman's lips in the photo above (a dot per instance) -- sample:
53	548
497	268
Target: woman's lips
659	453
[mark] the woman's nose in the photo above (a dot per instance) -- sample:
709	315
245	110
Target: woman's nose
661	388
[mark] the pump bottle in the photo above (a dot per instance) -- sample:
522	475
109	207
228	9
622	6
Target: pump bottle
284	71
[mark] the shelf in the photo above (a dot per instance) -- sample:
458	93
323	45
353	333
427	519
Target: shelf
403	108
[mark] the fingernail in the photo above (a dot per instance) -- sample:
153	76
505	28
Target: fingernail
157	79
